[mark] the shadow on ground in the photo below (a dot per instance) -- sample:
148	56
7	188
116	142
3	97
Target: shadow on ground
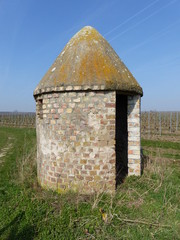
27	232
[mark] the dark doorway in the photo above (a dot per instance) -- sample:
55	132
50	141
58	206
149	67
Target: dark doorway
121	138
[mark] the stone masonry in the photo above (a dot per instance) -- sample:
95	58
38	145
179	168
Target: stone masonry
134	137
76	140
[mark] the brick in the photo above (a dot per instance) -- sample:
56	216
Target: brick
110	105
52	122
92	138
73	138
54	164
89	178
97	178
53	179
110	116
81	105
46	111
134	156
68	88
70	94
77	87
76	100
69	110
55	95
92	162
88	167
59	180
62	164
96	167
79	167
112	161
53	110
56	116
57	175
112	122
105	167
45	100
93	173
86	144
49	95
64	105
66	160
77	144
61	110
102	143
80	177
130	151
71	105
111	127
56	105
63	175
104	122
49	106
85	155
83	161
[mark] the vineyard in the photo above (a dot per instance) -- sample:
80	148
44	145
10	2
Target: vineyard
159	123
13	119
152	123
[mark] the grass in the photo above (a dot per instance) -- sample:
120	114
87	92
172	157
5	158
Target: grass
173	156
161	148
166	155
3	139
143	207
161	144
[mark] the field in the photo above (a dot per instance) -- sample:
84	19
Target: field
145	207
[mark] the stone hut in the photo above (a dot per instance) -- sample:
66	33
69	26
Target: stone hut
87	118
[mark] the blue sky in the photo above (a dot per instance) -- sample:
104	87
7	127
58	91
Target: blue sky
144	33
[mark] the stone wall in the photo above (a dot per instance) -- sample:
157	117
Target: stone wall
134	136
76	140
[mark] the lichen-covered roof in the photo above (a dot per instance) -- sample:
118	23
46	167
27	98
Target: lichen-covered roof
88	62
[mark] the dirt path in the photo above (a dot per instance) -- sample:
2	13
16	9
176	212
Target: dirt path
6	149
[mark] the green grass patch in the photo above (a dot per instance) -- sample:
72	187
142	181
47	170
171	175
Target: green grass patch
143	207
160	144
3	138
172	156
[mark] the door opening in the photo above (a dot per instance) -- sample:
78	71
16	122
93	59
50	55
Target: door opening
121	138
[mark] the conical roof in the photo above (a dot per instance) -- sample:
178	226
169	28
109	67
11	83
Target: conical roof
88	62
